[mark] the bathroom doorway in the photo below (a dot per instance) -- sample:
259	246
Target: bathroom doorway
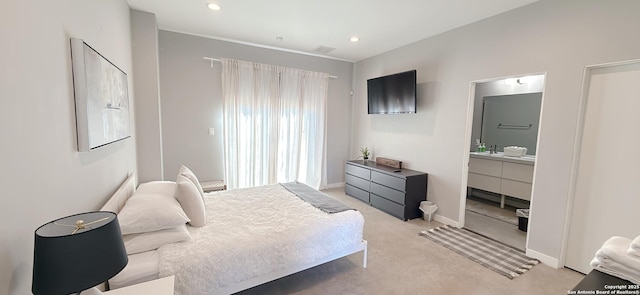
500	160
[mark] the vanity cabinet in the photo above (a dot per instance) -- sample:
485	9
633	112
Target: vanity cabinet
397	192
516	180
505	176
485	174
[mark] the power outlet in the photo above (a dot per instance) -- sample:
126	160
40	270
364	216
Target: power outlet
212	131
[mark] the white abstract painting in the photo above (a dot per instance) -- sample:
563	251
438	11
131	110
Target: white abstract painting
101	96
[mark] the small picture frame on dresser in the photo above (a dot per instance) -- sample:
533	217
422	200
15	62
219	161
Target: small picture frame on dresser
389	162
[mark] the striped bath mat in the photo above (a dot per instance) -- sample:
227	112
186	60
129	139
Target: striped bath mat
493	255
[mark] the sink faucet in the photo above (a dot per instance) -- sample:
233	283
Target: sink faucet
492	149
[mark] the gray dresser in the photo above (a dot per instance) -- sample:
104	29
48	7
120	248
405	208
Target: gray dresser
397	193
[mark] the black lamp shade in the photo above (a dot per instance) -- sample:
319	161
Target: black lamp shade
66	262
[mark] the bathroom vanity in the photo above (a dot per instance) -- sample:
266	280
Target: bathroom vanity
497	173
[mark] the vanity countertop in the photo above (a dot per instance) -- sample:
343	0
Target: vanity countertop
526	159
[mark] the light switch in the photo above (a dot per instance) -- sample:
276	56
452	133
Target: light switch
212	131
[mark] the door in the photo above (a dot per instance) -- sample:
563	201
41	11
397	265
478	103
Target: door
607	175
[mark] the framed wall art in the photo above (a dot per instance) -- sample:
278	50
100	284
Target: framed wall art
101	98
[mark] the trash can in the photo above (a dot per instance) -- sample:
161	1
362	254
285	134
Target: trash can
523	219
428	208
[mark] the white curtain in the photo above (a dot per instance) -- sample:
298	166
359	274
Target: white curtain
274	124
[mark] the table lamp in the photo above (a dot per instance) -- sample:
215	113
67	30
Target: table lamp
76	253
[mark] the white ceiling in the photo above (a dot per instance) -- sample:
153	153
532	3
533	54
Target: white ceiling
305	25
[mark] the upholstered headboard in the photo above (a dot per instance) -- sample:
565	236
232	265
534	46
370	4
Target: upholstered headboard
122	194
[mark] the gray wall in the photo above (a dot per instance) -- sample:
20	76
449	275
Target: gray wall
191	102
43	176
144	48
558	38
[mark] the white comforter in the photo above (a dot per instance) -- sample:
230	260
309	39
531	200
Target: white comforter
252	232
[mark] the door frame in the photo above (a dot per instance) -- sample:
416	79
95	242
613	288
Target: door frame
582	108
467	143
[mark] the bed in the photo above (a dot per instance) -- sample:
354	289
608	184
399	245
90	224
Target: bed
250	237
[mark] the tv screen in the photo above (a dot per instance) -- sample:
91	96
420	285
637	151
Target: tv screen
392	94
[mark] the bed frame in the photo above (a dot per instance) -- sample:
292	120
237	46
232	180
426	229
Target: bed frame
128	187
293	269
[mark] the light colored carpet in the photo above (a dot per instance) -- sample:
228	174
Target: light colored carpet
402	262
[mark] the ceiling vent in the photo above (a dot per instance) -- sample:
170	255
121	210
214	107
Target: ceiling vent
324	49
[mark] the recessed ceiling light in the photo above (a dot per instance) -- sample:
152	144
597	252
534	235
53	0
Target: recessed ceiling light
213	6
354	39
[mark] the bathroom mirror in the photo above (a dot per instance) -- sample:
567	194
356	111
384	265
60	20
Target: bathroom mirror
507	112
509	120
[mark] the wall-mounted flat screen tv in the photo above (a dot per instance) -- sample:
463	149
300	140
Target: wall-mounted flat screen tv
392	94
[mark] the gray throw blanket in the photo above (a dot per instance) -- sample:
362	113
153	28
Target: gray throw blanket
316	198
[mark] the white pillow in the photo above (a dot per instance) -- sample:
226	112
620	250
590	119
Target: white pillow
119	198
190	200
192	177
167	188
136	243
150	212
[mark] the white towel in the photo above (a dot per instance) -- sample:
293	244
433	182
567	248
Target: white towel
598	265
613	259
634	248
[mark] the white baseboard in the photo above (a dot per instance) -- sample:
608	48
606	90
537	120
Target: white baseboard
444	220
546	259
335	185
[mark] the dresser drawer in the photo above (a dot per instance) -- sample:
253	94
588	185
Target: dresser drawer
398	194
388	193
357	182
486	167
358	171
357	193
484	182
520	190
389	181
519	172
387	206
